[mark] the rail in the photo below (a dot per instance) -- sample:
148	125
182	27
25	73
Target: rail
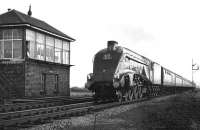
28	117
42	103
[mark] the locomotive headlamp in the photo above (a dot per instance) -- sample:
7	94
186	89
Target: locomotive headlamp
89	76
116	81
116	76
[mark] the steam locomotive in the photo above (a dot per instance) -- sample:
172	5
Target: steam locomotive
119	73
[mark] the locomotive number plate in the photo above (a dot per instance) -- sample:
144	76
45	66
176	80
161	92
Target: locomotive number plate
107	57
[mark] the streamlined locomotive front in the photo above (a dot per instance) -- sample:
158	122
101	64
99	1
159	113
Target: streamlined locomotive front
104	67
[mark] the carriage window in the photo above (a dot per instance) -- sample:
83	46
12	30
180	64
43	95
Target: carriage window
11	44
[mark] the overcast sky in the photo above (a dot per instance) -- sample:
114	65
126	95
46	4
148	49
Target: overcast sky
167	32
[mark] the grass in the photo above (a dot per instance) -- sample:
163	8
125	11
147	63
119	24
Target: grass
178	113
77	92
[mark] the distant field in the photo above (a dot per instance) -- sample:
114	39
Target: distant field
75	91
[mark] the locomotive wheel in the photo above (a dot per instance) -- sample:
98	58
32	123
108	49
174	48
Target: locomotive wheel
120	97
131	95
140	94
136	92
126	96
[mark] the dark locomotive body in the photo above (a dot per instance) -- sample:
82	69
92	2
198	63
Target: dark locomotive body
120	73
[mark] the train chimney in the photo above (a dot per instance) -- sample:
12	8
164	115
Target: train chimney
111	45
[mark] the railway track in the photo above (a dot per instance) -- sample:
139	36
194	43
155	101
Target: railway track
19	118
27	118
34	116
39	103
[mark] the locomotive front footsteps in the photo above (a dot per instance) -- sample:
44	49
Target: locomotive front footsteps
119	73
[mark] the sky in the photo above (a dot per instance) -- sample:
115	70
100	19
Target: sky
167	32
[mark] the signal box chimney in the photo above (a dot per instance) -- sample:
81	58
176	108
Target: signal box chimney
29	11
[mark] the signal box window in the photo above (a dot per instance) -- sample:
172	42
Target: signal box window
45	47
8	49
11	44
40	46
58	51
49	49
66	52
17	47
30	37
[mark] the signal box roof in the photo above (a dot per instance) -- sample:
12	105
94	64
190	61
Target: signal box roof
16	18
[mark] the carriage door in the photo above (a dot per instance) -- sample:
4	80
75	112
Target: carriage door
51	84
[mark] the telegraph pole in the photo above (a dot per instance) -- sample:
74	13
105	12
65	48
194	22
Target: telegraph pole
197	68
192	72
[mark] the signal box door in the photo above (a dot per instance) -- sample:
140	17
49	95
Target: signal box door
50	84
